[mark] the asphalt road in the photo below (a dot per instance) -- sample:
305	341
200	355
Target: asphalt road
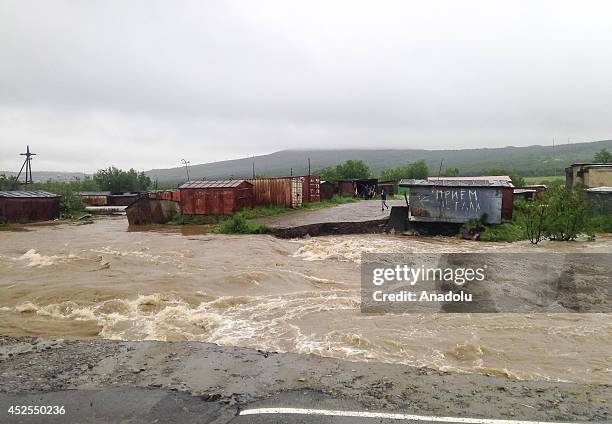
103	381
365	210
132	405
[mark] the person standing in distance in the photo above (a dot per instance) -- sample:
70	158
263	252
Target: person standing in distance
383	198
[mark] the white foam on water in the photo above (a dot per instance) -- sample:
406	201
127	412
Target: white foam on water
350	249
36	259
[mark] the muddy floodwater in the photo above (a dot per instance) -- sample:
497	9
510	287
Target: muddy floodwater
101	280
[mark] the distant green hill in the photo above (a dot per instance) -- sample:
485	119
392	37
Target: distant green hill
525	161
531	161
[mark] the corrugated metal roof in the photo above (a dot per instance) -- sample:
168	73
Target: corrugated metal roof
590	164
598	165
213	184
94	193
477	178
524	190
600	189
32	194
454	183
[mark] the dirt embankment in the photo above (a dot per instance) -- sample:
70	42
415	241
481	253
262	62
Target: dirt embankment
331	228
237	377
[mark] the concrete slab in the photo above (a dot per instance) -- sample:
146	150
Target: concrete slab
362	211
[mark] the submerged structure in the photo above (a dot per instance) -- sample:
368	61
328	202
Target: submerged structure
458	201
145	211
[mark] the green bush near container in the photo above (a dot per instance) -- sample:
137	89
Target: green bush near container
562	214
507	231
601	223
238	224
71	204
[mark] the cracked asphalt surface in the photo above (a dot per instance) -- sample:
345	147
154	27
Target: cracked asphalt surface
100	381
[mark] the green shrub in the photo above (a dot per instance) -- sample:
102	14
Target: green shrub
265	211
567	213
71	204
238	224
531	217
507	231
601	223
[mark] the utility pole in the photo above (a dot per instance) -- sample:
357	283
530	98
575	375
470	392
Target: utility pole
253	168
309	167
555	165
186	163
28	167
291	172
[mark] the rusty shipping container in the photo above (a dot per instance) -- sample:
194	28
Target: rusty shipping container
311	188
146	211
283	191
364	188
95	198
121	199
173	195
388	186
23	206
216	197
327	189
459	201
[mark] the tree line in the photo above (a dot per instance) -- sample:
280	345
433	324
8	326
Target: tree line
111	179
418	170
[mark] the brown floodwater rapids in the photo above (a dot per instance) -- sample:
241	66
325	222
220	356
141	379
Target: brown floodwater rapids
101	280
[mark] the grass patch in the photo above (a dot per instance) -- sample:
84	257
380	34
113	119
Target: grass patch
503	232
238	224
334	201
544	180
266	211
601	223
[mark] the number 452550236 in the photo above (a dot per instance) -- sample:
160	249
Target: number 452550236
37	410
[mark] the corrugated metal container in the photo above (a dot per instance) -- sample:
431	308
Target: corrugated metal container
459	201
601	199
24	206
216	197
95	198
121	199
146	211
286	191
311	188
327	190
507	202
388	186
347	188
364	188
165	195
489	178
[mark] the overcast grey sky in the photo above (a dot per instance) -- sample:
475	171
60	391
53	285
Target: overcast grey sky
144	83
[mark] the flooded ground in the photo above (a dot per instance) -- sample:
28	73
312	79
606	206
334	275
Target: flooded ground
284	295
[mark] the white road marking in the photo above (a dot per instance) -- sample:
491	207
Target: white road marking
365	414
